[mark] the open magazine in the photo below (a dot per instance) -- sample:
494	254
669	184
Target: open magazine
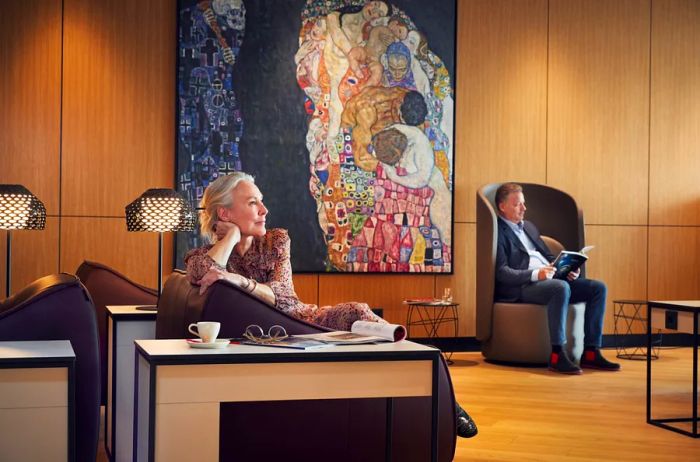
568	261
361	332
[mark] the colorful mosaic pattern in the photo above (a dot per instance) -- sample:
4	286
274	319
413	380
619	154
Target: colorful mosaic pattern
380	137
210	126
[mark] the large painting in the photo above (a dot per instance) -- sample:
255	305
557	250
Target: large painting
348	112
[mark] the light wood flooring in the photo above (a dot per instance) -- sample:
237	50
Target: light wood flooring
530	414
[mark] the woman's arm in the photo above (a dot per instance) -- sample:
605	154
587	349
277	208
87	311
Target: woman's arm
228	235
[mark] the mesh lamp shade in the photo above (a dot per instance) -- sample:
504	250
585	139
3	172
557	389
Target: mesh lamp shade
160	210
19	209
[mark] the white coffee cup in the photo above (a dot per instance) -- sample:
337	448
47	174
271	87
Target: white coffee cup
206	330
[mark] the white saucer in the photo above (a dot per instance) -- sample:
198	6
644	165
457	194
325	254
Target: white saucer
197	343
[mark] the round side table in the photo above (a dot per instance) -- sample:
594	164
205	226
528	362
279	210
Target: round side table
627	313
431	314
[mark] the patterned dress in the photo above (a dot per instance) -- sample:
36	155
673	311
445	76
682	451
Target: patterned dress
268	262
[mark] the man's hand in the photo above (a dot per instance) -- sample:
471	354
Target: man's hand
546	272
573	275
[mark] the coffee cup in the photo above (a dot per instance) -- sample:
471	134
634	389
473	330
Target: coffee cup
206	330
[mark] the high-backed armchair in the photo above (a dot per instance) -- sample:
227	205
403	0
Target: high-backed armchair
180	304
57	307
109	287
518	332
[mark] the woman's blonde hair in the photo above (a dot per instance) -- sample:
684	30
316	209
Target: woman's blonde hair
218	194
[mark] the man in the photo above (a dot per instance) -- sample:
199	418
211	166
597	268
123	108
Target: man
524	274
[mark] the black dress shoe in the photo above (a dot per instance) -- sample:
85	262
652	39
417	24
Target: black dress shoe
466	428
593	359
560	363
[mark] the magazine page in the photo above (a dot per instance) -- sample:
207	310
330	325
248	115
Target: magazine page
291	342
362	332
391	332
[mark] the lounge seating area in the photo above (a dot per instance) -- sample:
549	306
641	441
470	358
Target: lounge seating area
349	230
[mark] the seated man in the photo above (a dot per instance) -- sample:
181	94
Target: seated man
524	274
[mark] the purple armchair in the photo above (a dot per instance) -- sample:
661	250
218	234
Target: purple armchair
180	304
57	307
109	287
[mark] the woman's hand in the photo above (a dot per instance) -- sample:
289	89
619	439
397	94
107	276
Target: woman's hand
215	274
224	228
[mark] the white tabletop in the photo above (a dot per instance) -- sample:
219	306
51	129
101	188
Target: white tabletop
179	347
120	310
45	349
693	304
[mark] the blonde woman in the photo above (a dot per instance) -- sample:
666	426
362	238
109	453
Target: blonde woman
244	252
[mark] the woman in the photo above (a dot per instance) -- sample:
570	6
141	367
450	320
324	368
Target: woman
245	254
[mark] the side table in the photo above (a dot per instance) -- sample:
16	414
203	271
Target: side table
627	313
431	314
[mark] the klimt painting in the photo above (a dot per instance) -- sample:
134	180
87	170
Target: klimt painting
348	109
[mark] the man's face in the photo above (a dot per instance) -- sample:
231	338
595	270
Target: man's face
513	208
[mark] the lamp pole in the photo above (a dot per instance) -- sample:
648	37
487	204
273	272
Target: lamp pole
7	271
160	262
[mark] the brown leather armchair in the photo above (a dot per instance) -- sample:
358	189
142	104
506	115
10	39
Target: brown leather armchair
180	304
518	332
109	287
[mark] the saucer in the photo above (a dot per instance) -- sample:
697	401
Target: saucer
197	343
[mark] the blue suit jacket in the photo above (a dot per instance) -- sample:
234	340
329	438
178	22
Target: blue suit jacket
512	260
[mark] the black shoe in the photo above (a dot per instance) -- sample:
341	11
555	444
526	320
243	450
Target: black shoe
559	362
466	428
593	359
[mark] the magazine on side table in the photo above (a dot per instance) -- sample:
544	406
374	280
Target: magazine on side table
361	332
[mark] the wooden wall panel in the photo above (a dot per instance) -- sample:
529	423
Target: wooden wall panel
674	263
675	113
30	92
377	290
107	241
119	103
306	286
500	96
620	260
598	111
34	255
463	281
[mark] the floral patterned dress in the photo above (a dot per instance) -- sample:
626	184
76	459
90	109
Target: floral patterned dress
268	262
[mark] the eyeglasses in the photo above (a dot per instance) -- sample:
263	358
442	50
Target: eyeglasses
256	334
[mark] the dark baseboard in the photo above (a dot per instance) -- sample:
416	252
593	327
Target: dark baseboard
609	341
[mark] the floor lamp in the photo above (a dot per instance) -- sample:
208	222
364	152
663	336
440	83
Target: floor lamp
160	210
19	209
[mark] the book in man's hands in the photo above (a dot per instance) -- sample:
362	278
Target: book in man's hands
361	332
568	261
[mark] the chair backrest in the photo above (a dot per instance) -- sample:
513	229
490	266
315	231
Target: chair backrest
554	212
109	287
181	304
57	307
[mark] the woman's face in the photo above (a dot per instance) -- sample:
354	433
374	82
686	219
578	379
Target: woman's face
247	211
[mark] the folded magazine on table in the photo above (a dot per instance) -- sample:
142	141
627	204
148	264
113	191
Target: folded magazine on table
361	332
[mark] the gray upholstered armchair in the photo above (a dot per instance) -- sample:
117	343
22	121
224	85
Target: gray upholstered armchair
518	332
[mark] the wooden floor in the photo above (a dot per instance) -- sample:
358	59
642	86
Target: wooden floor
530	414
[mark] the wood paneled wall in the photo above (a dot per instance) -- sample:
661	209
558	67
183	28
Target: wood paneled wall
599	98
